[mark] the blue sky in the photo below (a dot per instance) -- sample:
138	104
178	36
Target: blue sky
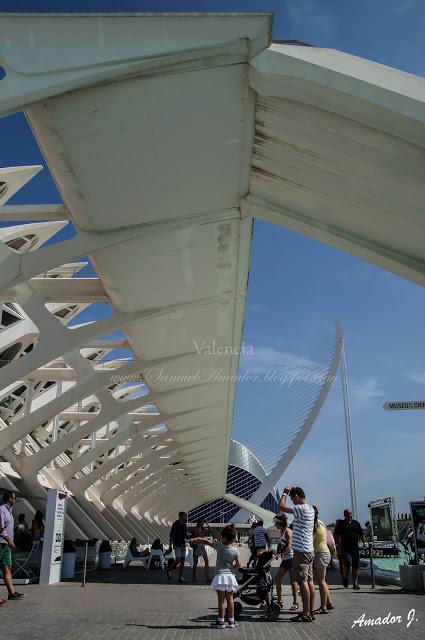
298	287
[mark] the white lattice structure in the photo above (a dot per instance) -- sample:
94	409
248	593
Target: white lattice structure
166	136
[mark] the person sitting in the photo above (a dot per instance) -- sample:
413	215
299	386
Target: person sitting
22	526
37	526
22	534
157	545
155	554
134	550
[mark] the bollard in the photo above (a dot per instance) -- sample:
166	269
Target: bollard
372	568
83	584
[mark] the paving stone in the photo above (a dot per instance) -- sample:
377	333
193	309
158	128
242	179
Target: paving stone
131	603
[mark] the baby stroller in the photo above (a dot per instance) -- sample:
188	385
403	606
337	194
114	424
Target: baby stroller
256	587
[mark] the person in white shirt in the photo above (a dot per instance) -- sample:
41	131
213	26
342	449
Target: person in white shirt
286	554
302	544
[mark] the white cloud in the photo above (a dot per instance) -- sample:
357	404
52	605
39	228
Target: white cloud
366	389
361	390
265	358
417	377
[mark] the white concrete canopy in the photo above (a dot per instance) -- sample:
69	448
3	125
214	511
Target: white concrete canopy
166	135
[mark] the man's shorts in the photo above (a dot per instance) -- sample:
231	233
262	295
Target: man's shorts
5	555
351	559
180	553
302	566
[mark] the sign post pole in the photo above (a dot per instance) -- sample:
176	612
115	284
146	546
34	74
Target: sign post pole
54	534
372	568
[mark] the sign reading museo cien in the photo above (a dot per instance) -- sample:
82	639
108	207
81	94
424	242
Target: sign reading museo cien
407	404
51	561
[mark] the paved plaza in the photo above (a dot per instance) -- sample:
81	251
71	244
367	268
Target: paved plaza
125	604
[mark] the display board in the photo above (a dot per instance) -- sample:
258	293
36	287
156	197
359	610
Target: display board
383	527
51	560
417	510
382	520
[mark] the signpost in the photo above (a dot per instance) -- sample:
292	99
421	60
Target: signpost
51	560
404	404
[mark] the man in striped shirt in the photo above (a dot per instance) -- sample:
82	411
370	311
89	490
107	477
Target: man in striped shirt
302	543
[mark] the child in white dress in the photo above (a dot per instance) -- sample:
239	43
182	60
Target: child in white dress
224	581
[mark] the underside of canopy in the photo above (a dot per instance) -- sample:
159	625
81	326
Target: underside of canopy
166	136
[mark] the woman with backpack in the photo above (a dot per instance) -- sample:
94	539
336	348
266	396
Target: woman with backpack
322	559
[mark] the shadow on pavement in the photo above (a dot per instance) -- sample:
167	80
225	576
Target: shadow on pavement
183	627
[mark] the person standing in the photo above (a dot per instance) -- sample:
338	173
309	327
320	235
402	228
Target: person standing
37	526
7	545
322	559
368	531
251	544
287	554
302	543
224	582
347	534
202	530
260	540
178	536
338	552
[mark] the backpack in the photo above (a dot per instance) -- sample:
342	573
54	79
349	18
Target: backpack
330	541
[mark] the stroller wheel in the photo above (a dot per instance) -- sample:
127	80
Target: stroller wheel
273	612
238	609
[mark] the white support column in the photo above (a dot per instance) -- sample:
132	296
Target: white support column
348	433
56	421
93	446
56	418
27	411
